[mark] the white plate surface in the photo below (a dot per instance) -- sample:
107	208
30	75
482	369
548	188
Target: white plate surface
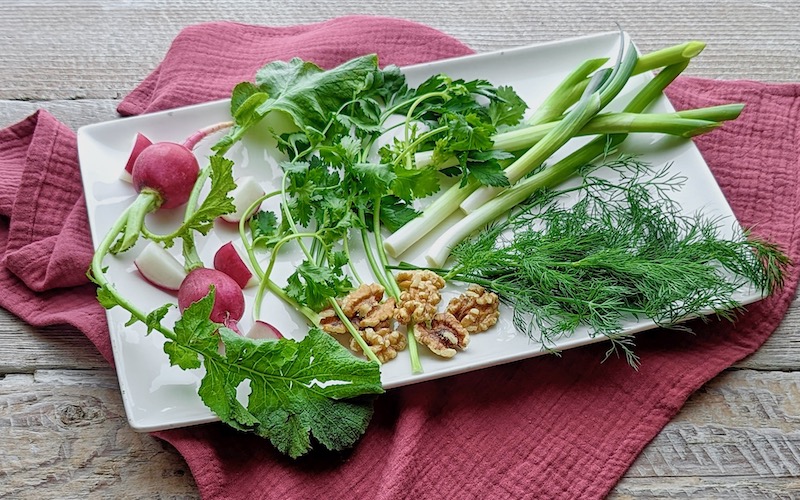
157	396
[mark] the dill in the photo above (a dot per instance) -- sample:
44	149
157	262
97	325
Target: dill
624	250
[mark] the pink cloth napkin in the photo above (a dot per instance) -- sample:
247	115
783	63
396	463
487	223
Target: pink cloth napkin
548	427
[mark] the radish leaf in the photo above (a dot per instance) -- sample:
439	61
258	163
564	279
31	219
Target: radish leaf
298	390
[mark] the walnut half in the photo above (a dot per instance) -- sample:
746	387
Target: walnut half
476	309
419	296
384	342
443	336
371	318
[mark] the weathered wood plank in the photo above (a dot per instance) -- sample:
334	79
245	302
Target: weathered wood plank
728	488
782	350
74	114
65	436
48	55
743	423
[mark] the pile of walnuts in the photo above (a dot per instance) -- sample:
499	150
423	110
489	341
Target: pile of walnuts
444	333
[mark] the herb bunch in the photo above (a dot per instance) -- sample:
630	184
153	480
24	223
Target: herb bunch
339	183
623	251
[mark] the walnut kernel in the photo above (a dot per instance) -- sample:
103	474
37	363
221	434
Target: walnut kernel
419	296
443	336
384	342
476	309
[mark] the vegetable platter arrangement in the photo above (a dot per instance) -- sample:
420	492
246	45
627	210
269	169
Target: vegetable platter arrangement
279	259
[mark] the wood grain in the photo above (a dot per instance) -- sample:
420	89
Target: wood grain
63	433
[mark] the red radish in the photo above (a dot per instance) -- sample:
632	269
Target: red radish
168	169
228	297
139	145
247	192
229	260
159	267
263	330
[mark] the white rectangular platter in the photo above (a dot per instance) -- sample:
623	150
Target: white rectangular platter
157	396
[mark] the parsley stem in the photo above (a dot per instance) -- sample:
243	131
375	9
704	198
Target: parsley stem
290	220
280	243
393	290
410	114
353	270
410	148
352	329
377	271
265	282
249	245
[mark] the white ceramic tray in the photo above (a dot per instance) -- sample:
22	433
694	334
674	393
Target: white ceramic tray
157	396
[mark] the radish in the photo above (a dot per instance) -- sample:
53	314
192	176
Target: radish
263	330
168	170
164	175
246	193
229	260
160	267
140	143
228	297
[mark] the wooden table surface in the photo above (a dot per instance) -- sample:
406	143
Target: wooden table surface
63	432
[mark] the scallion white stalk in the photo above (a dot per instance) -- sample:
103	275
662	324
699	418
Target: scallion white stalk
440	209
552	176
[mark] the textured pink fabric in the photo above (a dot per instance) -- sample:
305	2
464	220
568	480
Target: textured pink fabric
548	427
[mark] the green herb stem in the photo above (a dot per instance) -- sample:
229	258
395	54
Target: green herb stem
394	289
147	201
377	270
98	275
352	329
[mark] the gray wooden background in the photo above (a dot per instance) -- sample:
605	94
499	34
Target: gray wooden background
63	432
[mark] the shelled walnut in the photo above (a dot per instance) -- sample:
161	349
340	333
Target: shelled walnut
476	309
362	306
443	335
371	318
384	342
419	296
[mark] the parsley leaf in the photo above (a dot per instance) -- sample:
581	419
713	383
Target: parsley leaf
313	285
508	108
395	213
411	183
263	226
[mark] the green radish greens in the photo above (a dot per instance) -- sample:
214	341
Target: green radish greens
366	154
